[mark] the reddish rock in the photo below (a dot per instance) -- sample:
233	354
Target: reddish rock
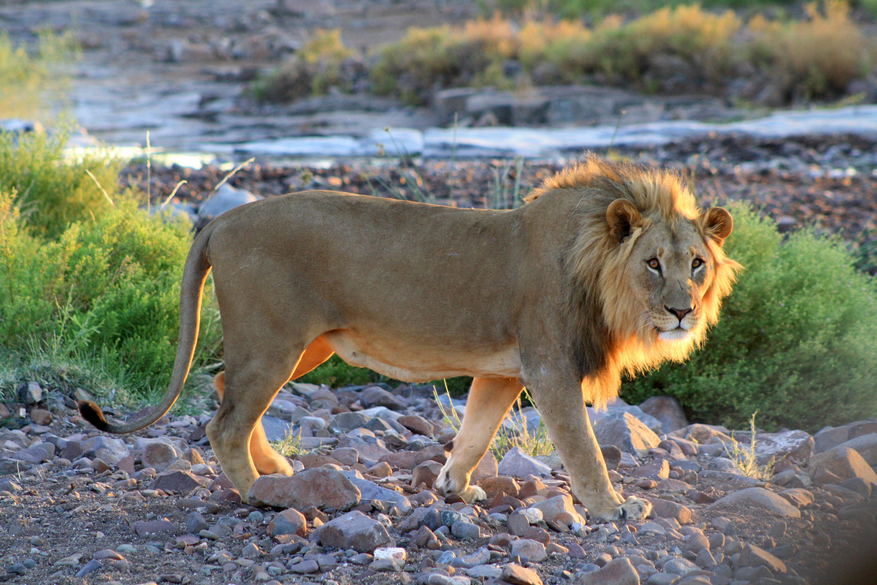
290	521
147	527
321	488
844	463
41	416
425	473
518	575
666	509
178	481
354	530
416	424
616	572
499	484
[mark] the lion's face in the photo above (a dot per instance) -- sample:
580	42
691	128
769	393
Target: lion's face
669	270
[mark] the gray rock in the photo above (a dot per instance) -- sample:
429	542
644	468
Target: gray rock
518	464
864	445
466	530
760	497
31	393
354	530
347	421
667	410
159	455
534	551
377	396
178	481
841	462
106	448
226	198
371	491
626	432
275	428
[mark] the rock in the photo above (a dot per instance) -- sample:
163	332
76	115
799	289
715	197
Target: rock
30	393
864	445
626	432
559	510
752	556
843	462
466	530
178	481
371	491
760	497
499	484
354	530
425	473
110	450
416	424
799	497
532	550
290	521
41	416
487	467
795	444
226	198
377	396
518	464
658	469
667	509
159	455
518	575
147	527
321	488
667	410
615	572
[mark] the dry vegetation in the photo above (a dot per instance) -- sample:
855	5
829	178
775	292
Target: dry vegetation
814	57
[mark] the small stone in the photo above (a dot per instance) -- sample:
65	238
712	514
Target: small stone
147	527
290	521
466	530
425	473
499	484
752	556
90	567
518	464
106	448
31	393
305	567
518	575
159	455
559	510
844	463
667	509
380	470
416	424
532	550
615	572
41	416
196	523
178	482
354	530
626	432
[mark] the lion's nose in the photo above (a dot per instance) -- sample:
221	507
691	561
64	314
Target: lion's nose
680	313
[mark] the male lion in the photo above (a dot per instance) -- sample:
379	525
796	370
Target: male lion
608	268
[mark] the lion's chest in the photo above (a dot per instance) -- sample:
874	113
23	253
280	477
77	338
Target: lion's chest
411	362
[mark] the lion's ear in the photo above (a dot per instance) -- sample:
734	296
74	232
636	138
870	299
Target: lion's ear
623	217
718	223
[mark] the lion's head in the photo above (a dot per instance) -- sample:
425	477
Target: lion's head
647	261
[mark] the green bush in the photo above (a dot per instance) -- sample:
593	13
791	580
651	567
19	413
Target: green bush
106	291
51	191
797	339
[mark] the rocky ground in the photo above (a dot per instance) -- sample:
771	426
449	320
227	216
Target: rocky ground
78	506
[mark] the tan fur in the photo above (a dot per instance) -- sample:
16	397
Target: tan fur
555	296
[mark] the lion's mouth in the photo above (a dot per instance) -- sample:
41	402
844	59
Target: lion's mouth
678	334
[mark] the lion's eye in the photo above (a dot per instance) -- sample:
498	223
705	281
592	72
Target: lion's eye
654	264
696	263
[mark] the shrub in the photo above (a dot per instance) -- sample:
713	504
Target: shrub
324	62
817	57
26	79
107	291
797	340
51	191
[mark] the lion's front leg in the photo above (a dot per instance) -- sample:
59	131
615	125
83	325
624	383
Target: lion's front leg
566	418
490	399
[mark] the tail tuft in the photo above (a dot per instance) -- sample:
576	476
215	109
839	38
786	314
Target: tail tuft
92	413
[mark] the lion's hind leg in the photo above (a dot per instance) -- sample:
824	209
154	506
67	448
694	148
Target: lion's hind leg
490	399
266	459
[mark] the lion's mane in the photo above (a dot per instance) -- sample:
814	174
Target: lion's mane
609	336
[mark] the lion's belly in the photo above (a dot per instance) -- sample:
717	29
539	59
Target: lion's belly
424	364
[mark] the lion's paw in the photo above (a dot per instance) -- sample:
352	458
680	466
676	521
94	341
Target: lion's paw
473	493
632	509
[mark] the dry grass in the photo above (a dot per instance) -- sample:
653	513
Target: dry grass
694	48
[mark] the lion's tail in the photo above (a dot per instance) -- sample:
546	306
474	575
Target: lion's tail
194	275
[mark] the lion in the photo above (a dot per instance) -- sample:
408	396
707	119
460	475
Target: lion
607	268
